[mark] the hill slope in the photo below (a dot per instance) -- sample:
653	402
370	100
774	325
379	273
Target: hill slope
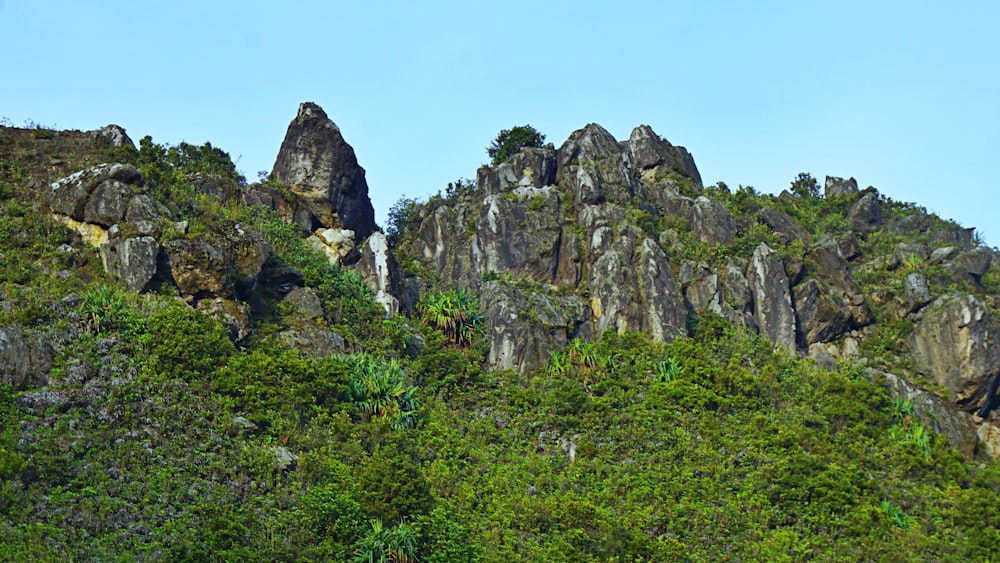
597	359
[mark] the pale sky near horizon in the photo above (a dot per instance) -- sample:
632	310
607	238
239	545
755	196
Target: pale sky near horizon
900	95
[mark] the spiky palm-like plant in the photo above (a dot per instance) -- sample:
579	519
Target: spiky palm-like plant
380	389
455	313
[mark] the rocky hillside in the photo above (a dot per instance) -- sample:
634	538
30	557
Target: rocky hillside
193	367
604	235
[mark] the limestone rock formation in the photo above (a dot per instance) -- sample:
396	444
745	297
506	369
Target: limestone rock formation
316	163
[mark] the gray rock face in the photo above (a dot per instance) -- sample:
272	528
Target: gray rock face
866	214
957	345
630	281
839	187
579	233
132	260
305	333
106	204
974	263
530	167
712	222
70	195
821	316
317	163
646	150
142	216
521	233
834	272
527	326
772	297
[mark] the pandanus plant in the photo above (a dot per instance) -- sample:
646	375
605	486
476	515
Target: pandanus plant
381	391
454	313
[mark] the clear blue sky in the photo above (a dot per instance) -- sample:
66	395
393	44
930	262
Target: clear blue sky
901	95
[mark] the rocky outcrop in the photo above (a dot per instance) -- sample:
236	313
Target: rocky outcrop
839	187
95	195
773	310
199	269
316	163
866	215
712	222
957	345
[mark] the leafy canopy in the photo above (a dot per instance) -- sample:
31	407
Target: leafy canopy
509	141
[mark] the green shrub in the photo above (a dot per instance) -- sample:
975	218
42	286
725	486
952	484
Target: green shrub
186	343
509	142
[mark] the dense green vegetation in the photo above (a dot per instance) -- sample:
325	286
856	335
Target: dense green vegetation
509	142
161	440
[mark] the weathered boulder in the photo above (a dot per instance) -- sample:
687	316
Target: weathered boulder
106	204
70	195
783	225
974	263
712	222
133	260
198	268
316	163
142	216
773	310
839	187
526	326
866	214
939	414
957	345
336	244
915	290
112	134
307	333
27	355
234	316
381	271
821	316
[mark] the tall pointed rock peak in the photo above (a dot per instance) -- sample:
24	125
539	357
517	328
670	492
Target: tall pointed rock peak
317	163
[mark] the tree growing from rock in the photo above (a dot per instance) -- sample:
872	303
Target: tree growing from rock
509	141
